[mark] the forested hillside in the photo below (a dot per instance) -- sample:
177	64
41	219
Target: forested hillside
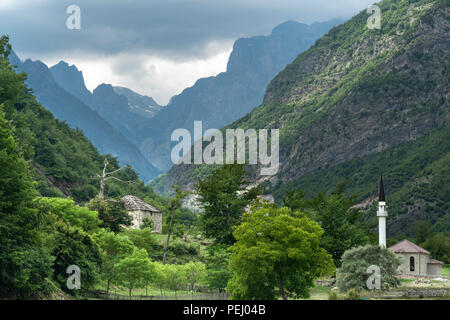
360	103
44	162
71	109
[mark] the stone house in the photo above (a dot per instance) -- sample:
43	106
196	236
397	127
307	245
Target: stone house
416	260
139	209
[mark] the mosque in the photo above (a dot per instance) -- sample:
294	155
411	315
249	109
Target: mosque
416	260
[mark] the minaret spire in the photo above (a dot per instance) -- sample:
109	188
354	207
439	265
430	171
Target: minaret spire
381	190
382	214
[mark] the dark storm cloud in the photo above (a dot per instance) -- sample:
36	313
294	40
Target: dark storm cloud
176	29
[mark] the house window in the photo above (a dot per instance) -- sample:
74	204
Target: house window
411	264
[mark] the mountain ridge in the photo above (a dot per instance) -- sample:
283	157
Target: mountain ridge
71	109
221	99
355	93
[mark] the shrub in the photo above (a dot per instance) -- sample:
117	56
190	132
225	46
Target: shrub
355	262
352	294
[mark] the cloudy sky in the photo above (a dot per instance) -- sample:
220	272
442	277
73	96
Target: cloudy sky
155	47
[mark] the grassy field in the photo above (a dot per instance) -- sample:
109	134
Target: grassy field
446	270
319	293
151	291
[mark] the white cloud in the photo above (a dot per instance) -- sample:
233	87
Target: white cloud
7	4
147	74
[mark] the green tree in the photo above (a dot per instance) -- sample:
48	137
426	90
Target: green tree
73	246
144	239
25	264
224	195
295	200
73	214
442	225
340	222
112	213
439	247
422	231
195	273
150	276
217	272
277	254
175	277
113	248
160	276
355	262
133	271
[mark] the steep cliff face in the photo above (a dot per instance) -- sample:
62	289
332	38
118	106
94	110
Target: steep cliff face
71	79
125	110
355	93
113	107
143	106
220	100
349	98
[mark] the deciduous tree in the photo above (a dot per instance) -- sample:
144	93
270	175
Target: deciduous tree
112	213
195	273
113	248
132	271
217	271
277	254
66	209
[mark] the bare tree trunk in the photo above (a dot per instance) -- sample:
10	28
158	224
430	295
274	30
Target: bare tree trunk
169	232
282	292
166	248
101	194
105	176
107	286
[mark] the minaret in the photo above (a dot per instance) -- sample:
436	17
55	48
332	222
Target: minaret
382	214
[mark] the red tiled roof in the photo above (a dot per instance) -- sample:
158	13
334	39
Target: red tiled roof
432	261
406	246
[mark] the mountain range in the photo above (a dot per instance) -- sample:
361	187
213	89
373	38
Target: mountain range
216	100
359	103
62	91
220	100
142	126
